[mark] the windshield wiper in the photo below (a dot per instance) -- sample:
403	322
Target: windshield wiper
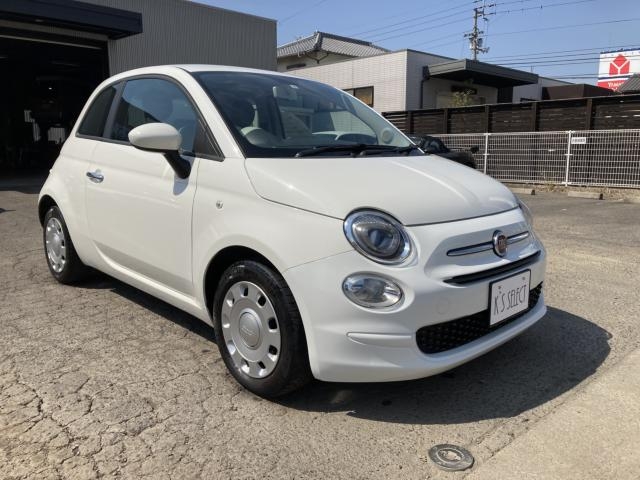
356	148
404	150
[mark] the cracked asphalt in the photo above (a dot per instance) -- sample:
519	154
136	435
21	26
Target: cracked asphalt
104	381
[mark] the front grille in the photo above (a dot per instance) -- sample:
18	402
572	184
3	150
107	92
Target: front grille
455	333
492	272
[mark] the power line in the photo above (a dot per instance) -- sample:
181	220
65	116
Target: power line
422	30
577	61
568	26
565	53
457	34
437	45
433	20
411	20
541	7
475	36
384	30
536	55
317	4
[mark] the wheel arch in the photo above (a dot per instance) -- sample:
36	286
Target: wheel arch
44	204
223	260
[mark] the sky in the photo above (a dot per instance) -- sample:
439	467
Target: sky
557	38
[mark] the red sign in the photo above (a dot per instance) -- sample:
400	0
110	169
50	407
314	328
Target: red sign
619	66
611	84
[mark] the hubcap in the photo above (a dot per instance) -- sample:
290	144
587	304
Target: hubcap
55	244
250	329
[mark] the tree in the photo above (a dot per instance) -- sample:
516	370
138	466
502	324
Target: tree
462	99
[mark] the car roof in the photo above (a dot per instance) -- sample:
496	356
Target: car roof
192	68
220	68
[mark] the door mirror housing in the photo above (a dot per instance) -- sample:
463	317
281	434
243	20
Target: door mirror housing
162	138
474	149
156	137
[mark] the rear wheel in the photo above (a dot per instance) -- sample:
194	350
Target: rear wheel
62	259
259	331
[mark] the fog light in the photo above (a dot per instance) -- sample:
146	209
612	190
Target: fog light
371	291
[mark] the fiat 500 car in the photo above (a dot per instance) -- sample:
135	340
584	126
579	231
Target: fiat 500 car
295	220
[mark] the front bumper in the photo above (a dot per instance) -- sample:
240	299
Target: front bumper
348	343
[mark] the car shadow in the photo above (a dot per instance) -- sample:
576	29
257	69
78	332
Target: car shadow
549	359
101	281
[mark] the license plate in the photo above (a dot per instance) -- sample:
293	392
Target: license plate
509	296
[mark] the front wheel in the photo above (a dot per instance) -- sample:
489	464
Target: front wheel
62	259
259	330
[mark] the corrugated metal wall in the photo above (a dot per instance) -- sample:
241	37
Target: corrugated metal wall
178	31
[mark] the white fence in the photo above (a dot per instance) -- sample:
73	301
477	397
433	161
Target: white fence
606	158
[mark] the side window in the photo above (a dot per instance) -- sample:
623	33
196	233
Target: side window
96	117
149	100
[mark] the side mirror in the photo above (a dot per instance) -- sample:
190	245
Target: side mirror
474	149
162	138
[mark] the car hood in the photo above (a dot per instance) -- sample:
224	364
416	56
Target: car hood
414	189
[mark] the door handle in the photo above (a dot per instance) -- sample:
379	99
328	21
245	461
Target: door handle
95	177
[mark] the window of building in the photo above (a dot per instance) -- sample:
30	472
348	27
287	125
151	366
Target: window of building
364	94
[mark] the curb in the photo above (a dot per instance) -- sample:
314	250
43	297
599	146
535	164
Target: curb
524	191
590	195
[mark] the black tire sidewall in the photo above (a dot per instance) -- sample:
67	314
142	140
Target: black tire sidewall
73	267
292	369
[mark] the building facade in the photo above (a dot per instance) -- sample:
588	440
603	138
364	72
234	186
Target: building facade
57	51
409	80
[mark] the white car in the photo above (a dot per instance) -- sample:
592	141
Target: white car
312	234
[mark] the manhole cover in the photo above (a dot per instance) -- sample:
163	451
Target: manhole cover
451	457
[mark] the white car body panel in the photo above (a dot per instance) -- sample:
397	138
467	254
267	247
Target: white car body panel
140	214
157	232
348	330
414	191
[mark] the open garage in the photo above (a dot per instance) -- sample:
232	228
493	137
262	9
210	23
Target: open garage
42	94
53	53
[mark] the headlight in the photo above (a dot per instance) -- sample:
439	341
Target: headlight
526	212
371	291
378	236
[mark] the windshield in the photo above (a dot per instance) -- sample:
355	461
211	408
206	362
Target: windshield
279	116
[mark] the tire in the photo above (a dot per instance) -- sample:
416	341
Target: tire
62	259
256	320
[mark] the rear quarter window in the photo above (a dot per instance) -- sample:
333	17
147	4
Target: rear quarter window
95	119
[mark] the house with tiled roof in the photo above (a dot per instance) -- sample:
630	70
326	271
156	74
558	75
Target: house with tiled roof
321	48
632	85
405	79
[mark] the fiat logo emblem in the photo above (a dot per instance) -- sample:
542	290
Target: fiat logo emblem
499	243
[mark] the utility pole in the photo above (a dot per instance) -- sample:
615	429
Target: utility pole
475	37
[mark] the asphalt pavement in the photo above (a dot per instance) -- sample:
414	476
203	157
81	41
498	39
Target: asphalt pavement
104	381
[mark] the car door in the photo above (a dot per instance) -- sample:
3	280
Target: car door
139	211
